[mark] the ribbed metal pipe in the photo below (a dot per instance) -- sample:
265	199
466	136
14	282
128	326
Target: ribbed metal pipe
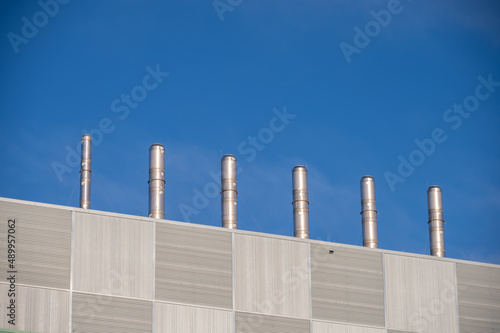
436	222
229	204
369	212
157	181
300	202
85	171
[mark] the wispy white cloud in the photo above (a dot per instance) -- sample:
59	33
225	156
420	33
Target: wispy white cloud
480	255
477	16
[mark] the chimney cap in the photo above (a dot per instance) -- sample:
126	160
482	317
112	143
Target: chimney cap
368	178
434	188
299	167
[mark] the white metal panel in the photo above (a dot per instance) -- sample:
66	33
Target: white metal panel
421	295
42	244
113	256
272	276
347	285
478	298
37	309
99	314
193	266
172	318
323	327
260	323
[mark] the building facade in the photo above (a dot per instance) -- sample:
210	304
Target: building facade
82	271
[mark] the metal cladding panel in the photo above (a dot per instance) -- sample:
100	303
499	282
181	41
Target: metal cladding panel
37	310
193	266
98	314
322	327
478	298
113	256
259	323
42	244
421	295
347	285
171	318
272	276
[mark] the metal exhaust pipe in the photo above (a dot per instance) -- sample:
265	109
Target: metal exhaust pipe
157	181
300	202
369	212
85	171
436	222
229	208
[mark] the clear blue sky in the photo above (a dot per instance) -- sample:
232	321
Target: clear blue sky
362	91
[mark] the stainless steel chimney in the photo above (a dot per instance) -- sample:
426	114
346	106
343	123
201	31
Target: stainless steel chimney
229	208
85	171
300	202
436	222
157	181
369	212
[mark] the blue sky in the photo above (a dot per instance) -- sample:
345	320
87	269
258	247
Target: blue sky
231	70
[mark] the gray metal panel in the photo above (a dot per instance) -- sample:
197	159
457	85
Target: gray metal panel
259	323
43	244
113	256
272	276
193	266
37	309
421	295
322	327
98	314
171	318
347	285
478	298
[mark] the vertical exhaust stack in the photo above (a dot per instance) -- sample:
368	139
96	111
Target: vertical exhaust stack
300	202
436	222
229	208
85	171
369	212
157	181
